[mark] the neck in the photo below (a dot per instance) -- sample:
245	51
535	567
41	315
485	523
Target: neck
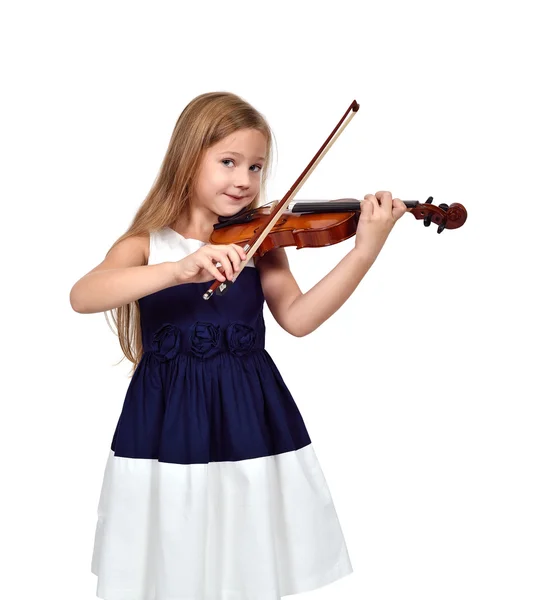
196	225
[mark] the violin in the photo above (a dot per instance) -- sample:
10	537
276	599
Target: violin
312	223
315	224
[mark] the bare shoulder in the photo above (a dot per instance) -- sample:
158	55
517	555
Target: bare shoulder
132	251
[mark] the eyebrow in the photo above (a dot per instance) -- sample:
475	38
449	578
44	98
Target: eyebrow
238	154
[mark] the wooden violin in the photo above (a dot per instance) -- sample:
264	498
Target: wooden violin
314	224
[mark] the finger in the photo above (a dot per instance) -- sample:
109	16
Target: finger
241	255
385	199
234	258
240	251
210	266
226	264
367	208
371	198
219	259
399	208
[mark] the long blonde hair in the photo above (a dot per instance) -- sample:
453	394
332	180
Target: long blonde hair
206	120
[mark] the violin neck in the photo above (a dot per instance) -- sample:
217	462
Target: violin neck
328	206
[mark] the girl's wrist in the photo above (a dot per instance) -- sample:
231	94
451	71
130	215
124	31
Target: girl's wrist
175	271
364	254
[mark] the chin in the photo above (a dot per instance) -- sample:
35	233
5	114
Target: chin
232	210
226	212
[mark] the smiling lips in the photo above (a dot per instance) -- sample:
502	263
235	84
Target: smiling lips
236	197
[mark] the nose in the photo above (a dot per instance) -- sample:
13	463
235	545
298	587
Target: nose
241	178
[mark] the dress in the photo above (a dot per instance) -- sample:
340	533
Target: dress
212	489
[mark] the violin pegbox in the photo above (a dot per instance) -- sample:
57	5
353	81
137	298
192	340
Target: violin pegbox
445	216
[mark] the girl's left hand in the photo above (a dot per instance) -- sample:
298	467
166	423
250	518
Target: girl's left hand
379	213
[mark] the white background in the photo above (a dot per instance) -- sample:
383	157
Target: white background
422	395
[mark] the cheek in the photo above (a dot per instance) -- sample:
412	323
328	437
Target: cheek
217	178
256	185
210	182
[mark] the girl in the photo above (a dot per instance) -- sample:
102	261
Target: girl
212	489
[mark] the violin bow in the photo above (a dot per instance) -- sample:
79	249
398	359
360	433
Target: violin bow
221	287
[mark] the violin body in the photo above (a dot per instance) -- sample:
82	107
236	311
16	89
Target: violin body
301	230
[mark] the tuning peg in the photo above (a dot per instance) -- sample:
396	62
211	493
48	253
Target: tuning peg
429	200
443	206
427	220
442	226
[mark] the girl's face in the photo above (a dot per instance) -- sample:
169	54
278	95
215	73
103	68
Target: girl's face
230	175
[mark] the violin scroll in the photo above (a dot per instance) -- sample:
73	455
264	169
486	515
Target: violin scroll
445	216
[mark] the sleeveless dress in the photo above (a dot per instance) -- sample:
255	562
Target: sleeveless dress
212	489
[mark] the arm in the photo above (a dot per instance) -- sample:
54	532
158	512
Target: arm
300	314
122	277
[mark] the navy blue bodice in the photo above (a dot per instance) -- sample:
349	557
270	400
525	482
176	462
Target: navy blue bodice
206	389
203	328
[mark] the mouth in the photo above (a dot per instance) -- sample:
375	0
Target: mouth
236	198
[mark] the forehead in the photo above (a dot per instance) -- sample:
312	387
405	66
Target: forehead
249	143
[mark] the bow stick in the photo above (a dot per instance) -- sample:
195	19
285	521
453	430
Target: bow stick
251	247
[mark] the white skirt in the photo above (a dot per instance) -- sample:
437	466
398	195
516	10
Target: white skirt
255	529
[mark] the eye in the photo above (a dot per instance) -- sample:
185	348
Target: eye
227	160
259	168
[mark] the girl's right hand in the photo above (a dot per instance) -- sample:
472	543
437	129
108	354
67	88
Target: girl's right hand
199	267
